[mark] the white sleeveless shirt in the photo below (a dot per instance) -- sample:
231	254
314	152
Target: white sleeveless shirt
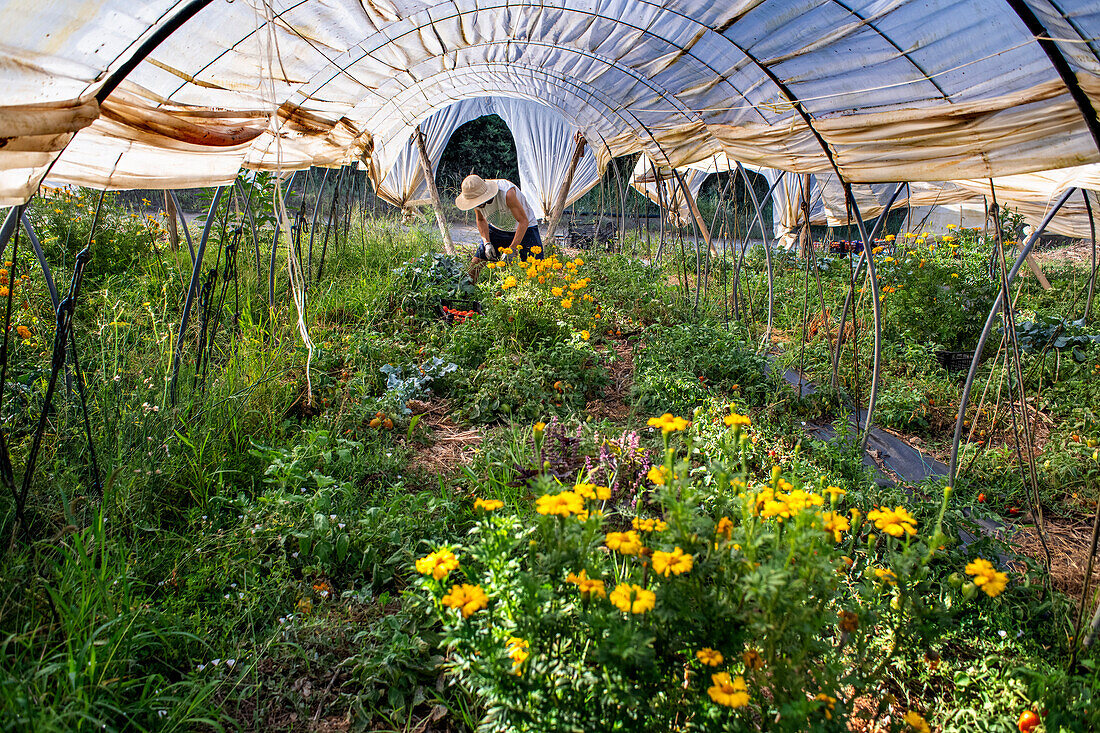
498	204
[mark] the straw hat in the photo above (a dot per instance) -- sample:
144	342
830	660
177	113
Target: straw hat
476	191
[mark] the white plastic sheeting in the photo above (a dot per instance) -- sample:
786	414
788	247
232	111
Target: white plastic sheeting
786	196
544	150
935	204
889	90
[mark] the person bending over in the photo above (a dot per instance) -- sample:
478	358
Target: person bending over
487	197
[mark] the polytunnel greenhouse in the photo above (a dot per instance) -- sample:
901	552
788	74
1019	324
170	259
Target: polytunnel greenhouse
557	365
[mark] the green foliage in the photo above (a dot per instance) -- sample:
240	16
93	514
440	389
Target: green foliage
551	650
951	279
678	367
483	146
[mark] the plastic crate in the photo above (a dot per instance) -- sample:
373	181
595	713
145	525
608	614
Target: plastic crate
457	305
955	361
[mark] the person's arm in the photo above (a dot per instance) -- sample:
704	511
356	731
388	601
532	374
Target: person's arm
482	225
522	222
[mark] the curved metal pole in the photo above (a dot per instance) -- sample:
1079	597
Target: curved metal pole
252	224
879	222
274	249
55	299
758	217
660	210
698	265
148	46
186	231
1092	275
10	222
192	288
876	305
313	222
953	464
767	250
1061	66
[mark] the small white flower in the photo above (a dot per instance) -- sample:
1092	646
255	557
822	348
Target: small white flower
216	662
230	662
341	525
1002	633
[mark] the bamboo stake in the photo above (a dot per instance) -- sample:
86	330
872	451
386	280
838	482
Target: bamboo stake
433	193
563	192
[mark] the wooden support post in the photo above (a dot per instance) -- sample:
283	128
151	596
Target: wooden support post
698	217
173	233
1037	271
563	192
433	193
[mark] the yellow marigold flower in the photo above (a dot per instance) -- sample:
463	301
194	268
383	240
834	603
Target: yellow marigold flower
562	505
23	331
729	692
676	562
954	274
625	543
776	508
518	650
830	704
889	237
878	249
950	226
752	659
835	492
632	598
886	576
531	274
916	722
536	250
735	419
986	577
467	598
556	292
509	282
578	261
709	657
667	423
488	504
542	278
585	335
592	491
894	522
438	564
725	527
539	427
567	303
798	500
587	585
657	475
506	250
649	525
836	524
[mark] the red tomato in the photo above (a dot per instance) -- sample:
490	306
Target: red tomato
981	498
1028	721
